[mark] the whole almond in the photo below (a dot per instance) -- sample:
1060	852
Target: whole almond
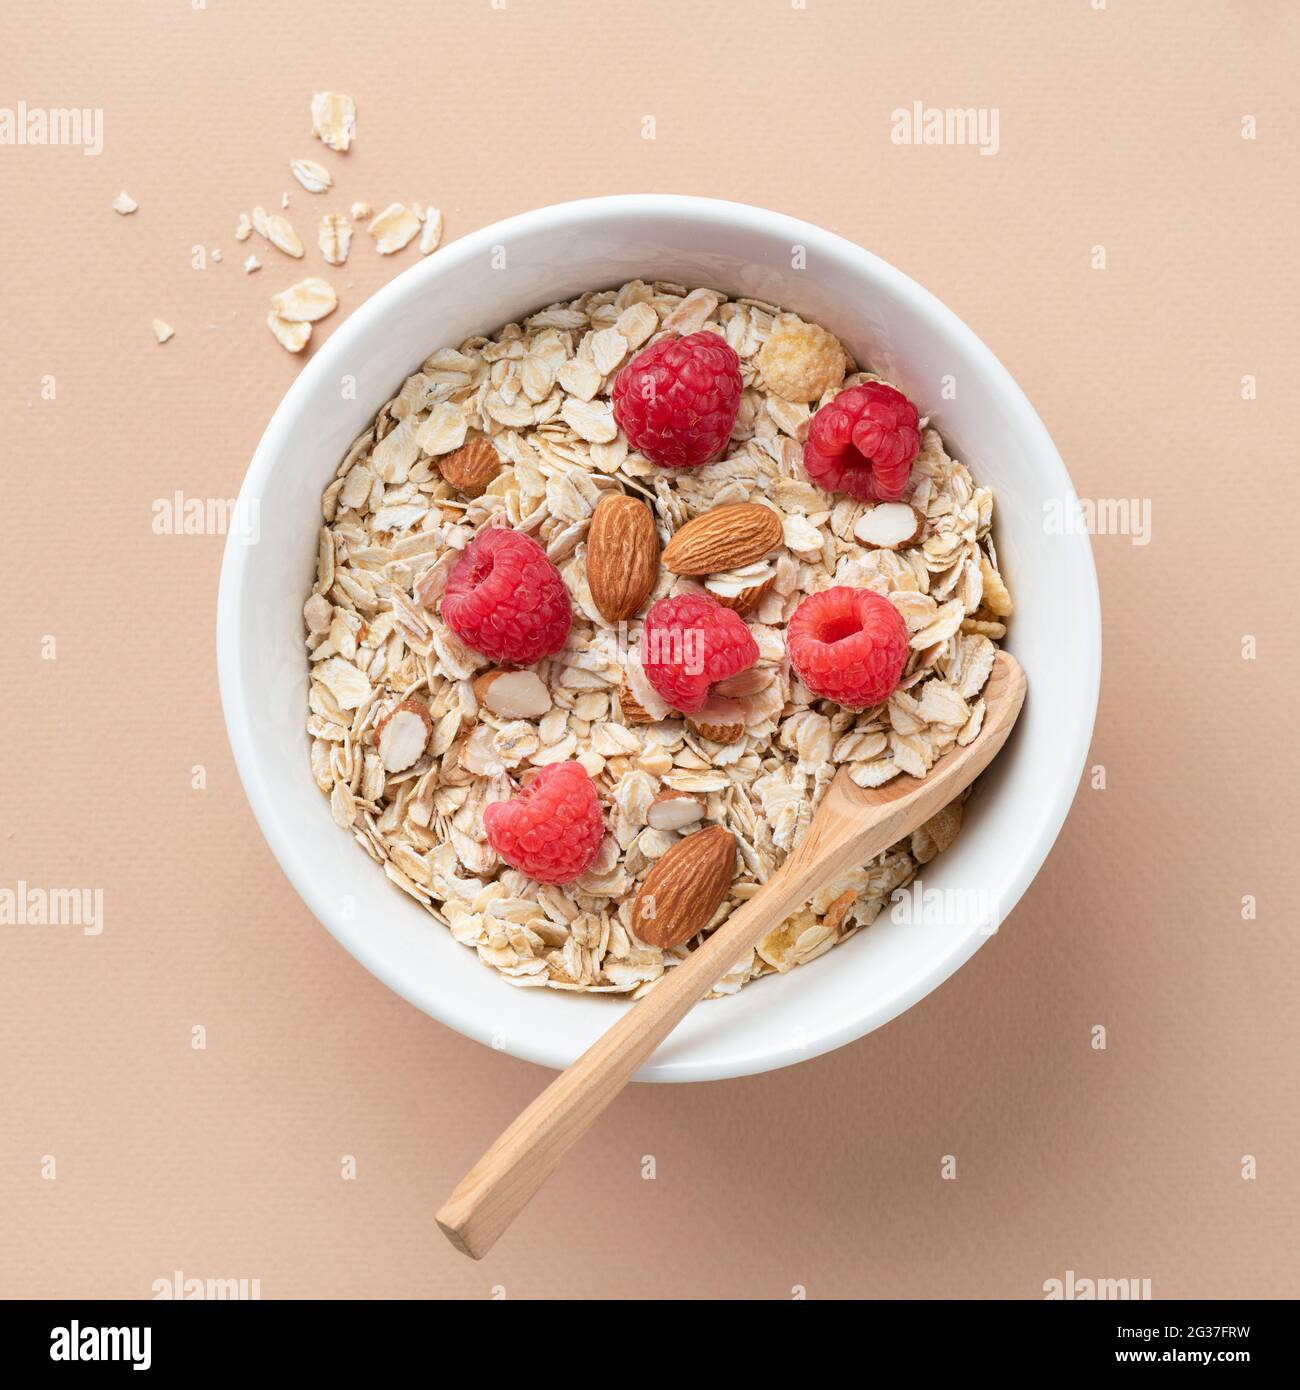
724	538
622	556
685	888
472	467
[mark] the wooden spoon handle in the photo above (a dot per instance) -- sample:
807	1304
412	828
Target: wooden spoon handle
850	827
504	1180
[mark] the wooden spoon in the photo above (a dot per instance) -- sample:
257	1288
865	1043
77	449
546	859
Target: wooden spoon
851	827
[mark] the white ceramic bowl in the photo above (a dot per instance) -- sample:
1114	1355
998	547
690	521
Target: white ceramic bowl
890	323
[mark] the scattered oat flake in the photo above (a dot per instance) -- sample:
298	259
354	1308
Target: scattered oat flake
315	178
162	331
334	237
334	120
244	228
291	336
362	211
124	203
305	302
252	264
278	231
393	228
431	235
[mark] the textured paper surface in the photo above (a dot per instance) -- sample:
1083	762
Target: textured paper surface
1118	127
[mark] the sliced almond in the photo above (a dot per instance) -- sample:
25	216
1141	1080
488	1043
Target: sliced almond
889	525
622	555
637	683
305	302
685	888
836	913
747	599
334	120
402	735
721	719
937	833
634	712
315	178
723	538
393	228
291	336
674	811
513	694
472	467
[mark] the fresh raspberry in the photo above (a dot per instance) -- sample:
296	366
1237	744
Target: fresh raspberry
677	400
691	641
552	829
864	443
505	599
848	645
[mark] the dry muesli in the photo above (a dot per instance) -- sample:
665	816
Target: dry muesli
413	734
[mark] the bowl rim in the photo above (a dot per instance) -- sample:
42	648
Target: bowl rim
323	366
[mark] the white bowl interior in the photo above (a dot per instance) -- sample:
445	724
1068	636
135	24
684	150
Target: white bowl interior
890	324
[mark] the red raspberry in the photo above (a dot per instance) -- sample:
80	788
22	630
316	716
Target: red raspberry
505	599
677	400
848	645
691	641
864	442
552	829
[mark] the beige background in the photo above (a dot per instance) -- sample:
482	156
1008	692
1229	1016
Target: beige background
1120	127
